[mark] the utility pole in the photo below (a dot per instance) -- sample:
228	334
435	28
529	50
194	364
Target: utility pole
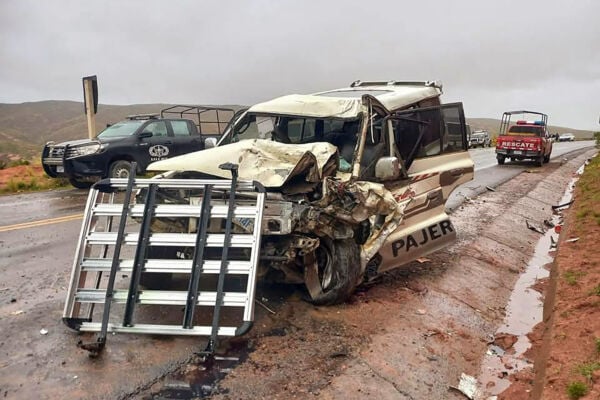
90	105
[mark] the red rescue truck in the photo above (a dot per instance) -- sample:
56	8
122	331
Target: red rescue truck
524	140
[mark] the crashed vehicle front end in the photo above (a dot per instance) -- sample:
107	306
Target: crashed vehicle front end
356	181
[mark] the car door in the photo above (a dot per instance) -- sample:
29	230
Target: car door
158	146
432	143
184	137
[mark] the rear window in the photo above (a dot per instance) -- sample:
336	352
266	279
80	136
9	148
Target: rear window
180	128
526	130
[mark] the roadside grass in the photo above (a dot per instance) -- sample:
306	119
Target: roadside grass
588	211
587	369
597	343
572	277
576	390
28	178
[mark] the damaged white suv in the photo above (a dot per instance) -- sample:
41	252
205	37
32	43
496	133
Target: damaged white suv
356	178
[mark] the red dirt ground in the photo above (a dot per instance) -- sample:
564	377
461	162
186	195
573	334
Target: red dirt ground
569	338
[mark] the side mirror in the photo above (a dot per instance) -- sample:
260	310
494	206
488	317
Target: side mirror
387	169
145	134
210	142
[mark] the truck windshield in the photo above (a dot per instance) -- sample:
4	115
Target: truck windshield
295	130
123	128
526	130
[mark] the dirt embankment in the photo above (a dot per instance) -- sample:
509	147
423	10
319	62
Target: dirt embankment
569	363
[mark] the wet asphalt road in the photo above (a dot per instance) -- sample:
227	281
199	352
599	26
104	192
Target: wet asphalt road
489	173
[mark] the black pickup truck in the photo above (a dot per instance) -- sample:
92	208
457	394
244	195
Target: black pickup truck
143	138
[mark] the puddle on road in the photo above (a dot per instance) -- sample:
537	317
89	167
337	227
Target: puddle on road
201	380
523	312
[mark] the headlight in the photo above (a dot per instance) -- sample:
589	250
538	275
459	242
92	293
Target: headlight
79	151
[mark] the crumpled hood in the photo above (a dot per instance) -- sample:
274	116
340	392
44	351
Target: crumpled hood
271	163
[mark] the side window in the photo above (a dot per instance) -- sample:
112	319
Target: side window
180	128
158	128
431	131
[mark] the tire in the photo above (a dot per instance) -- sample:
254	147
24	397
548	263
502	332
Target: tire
500	160
119	169
540	161
80	184
547	159
337	273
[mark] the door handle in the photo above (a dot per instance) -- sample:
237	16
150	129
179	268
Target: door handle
168	142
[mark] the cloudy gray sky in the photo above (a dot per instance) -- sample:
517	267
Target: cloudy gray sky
491	55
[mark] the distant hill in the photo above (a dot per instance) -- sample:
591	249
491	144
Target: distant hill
493	125
26	127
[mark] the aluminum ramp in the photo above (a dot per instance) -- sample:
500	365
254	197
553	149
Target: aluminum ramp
167	257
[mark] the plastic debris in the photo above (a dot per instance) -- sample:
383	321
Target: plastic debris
467	386
491	189
18	312
534	227
420	311
557	228
43	331
423	260
572	240
564	205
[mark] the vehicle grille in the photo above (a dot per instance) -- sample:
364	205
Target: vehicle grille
56	152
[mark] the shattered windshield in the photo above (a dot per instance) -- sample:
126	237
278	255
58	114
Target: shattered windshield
342	133
297	130
123	128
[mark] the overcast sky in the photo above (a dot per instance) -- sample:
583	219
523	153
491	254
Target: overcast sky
493	56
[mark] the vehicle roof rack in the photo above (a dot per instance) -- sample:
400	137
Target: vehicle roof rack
142	116
359	83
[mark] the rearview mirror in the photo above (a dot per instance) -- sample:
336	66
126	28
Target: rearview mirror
145	134
210	142
387	168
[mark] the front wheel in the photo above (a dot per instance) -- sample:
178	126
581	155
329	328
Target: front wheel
547	158
119	169
501	160
332	271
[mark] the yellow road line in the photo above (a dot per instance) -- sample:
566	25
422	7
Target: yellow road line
42	222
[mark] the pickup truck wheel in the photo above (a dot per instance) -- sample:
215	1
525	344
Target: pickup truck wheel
332	271
539	161
80	184
547	158
501	160
119	169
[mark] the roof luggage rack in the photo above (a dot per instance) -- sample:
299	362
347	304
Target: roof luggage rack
168	265
359	83
142	116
